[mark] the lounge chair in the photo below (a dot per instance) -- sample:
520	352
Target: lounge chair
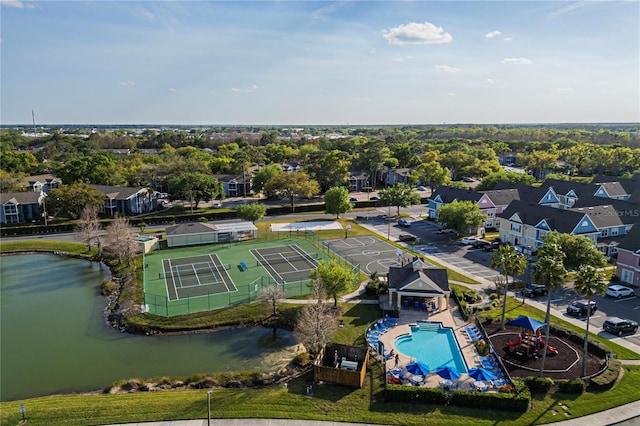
498	383
383	326
379	329
391	321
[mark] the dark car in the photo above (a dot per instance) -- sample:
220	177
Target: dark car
532	290
579	308
407	237
619	326
374	198
491	246
480	243
353	199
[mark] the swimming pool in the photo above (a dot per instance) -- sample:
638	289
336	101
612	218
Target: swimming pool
432	344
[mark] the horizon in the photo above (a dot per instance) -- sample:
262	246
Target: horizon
318	62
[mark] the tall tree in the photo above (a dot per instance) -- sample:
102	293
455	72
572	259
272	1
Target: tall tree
252	211
336	201
334	278
511	263
432	174
550	272
589	282
317	321
88	228
291	185
195	187
463	216
271	294
70	200
120	240
263	175
399	195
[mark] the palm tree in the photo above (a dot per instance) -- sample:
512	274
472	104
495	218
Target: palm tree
589	281
550	272
511	262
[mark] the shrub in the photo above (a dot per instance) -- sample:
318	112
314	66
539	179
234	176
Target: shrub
482	347
108	287
576	386
607	378
302	359
538	384
371	288
412	393
494	296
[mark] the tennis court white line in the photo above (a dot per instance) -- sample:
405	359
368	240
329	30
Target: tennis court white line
173	279
164	274
255	254
304	255
224	271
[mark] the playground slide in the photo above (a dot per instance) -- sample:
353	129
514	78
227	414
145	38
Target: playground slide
550	348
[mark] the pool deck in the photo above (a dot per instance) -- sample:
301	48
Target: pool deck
449	318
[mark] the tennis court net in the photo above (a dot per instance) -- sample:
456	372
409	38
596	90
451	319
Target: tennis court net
197	271
287	259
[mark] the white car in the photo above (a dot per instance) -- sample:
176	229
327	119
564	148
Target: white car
468	240
619	291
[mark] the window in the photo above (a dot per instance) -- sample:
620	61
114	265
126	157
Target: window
604	232
614	232
515	227
626	276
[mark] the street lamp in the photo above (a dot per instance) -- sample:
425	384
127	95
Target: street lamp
346	230
209	392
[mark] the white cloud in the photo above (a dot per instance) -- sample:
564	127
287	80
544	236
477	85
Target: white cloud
329	9
568	8
517	61
508	39
250	88
406	58
415	33
492	34
127	83
489	81
451	94
18	4
172	90
447	68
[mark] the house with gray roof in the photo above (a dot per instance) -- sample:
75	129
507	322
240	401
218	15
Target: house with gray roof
415	283
20	207
42	183
235	185
126	201
197	233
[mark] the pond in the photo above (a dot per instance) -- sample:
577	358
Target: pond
53	336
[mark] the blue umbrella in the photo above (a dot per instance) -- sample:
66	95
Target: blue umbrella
418	368
481	374
447	372
529	323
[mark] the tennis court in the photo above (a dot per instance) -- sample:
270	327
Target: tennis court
286	263
207	277
196	276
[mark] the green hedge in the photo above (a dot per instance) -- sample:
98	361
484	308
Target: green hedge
607	378
538	384
515	397
575	386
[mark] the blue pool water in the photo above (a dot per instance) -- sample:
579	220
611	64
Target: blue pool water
432	344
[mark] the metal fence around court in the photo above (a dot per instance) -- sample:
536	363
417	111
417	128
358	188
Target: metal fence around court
162	306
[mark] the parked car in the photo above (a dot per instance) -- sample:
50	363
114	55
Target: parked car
407	237
579	308
374	198
619	326
422	188
480	243
468	240
532	290
445	231
353	199
619	291
491	246
468	179
404	222
217	205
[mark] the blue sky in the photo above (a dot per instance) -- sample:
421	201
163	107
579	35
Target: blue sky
305	62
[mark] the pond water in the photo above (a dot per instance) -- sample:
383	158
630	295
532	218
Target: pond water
53	337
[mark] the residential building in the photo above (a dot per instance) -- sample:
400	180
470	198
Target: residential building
126	201
42	183
20	207
628	262
235	185
359	181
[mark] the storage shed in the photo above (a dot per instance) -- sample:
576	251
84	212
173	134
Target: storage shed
196	233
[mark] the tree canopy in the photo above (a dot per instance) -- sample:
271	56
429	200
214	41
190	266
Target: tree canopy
462	216
336	201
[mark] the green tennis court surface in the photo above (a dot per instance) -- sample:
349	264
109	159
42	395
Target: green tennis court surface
206	277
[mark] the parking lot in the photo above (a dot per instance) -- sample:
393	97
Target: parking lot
475	263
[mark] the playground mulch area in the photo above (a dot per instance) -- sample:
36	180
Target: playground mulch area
567	364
